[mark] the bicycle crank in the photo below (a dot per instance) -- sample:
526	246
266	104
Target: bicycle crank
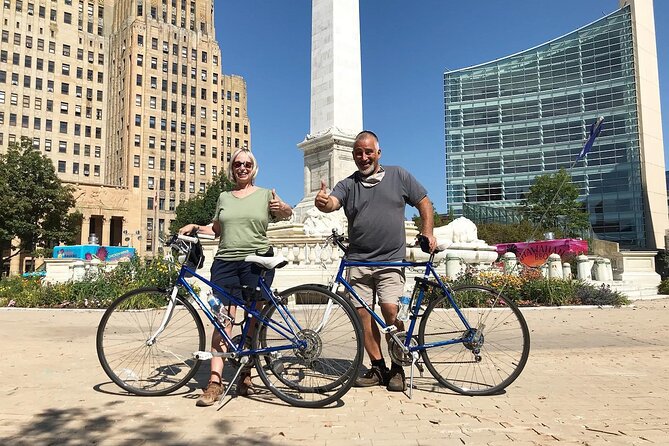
396	351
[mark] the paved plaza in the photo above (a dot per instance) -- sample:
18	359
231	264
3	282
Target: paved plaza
596	376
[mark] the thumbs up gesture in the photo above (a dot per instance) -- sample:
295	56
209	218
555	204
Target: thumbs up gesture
322	198
275	203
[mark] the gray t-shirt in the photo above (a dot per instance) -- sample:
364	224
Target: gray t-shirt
376	214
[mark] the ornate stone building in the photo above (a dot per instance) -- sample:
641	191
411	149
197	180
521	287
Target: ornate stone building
128	99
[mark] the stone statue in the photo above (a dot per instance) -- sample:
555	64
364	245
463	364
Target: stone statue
318	223
461	231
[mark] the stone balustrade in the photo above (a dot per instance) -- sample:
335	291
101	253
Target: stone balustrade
312	260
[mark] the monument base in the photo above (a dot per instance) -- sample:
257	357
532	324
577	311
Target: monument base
327	157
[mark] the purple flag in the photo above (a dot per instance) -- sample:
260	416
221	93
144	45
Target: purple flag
595	129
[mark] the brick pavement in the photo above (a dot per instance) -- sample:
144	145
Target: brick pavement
596	376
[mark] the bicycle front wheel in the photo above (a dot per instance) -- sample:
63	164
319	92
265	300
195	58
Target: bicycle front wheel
483	359
130	355
326	353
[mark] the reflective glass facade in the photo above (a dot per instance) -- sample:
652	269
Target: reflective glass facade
528	114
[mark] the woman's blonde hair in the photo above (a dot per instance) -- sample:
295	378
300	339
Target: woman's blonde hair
254	170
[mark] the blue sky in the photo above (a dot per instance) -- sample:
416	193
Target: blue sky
406	47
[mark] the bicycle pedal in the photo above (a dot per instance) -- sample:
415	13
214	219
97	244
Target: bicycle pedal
420	369
202	356
277	367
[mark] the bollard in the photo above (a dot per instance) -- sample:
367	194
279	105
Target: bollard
608	271
544	270
94	269
583	269
566	271
554	266
78	270
510	263
600	270
453	265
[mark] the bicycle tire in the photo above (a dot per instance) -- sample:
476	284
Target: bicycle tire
149	370
326	368
503	347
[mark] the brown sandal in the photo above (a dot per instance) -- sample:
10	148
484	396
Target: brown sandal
245	386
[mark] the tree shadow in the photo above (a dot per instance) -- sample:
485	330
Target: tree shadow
192	389
429	385
83	426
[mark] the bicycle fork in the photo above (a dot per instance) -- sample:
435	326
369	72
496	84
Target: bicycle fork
166	318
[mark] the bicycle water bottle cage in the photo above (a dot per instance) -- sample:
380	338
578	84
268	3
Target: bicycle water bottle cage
425	283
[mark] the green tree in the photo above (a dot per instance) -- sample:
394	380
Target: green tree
439	220
552	204
34	202
200	209
494	233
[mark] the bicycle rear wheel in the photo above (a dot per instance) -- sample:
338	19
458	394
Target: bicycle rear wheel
486	358
141	367
324	369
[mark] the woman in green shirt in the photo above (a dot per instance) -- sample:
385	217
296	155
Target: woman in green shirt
241	220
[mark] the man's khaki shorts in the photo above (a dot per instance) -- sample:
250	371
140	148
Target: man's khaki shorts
372	284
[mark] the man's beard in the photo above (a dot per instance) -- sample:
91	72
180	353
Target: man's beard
367	170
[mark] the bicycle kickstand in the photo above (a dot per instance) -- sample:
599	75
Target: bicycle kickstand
242	364
414	358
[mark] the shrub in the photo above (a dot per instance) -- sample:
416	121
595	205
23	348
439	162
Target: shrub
663	287
603	295
548	292
530	288
94	291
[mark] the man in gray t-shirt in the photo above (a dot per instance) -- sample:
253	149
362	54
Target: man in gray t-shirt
374	199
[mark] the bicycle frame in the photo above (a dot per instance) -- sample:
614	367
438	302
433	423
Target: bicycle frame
429	273
234	351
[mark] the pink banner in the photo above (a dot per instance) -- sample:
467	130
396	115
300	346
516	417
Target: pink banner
536	253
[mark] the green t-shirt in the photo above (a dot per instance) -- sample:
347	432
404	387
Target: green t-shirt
243	224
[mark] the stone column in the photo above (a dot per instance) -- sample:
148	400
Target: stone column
336	98
15	266
85	229
105	238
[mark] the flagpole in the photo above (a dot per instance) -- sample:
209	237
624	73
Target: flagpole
154	244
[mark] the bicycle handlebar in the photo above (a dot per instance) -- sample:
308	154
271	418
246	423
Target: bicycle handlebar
338	239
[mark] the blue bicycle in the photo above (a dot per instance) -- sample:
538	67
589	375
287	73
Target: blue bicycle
306	347
473	339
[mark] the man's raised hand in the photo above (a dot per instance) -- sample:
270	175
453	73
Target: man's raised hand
322	198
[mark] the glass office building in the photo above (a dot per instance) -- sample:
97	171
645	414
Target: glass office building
528	114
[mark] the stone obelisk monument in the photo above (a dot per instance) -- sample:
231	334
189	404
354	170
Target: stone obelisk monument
336	97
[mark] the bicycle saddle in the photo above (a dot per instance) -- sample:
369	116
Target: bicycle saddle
267	262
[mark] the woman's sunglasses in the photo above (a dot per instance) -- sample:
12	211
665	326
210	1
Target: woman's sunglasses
238	164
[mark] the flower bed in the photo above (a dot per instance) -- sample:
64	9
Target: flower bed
94	291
